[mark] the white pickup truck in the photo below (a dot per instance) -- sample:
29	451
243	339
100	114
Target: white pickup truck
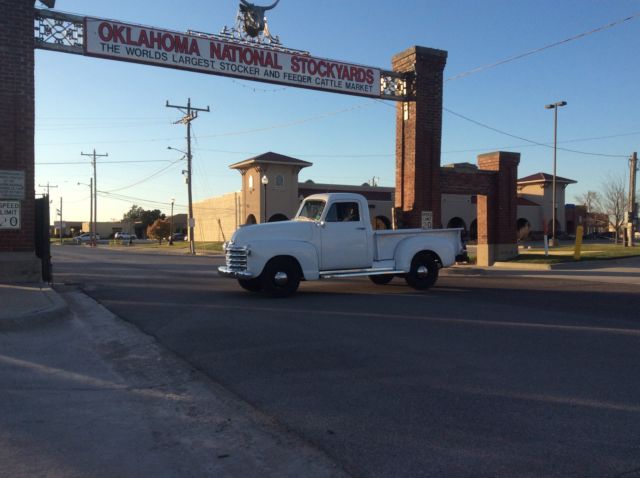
331	236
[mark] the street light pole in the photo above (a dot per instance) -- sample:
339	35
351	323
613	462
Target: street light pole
554	107
265	181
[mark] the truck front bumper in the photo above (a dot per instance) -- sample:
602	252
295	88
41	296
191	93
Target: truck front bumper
225	271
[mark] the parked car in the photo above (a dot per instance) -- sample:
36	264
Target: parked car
178	236
125	236
85	237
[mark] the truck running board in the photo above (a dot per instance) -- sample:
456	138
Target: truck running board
358	272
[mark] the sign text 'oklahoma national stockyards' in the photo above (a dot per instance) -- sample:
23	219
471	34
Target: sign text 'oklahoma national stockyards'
120	41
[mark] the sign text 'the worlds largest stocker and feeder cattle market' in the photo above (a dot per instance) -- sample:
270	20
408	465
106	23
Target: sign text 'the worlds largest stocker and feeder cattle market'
120	41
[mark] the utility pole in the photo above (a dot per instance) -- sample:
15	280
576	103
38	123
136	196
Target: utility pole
94	155
632	212
60	220
47	186
190	113
90	206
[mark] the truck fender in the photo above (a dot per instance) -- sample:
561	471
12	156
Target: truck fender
409	247
303	252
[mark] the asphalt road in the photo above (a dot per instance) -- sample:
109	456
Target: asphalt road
482	376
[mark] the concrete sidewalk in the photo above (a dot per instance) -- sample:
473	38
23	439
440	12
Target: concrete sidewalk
87	394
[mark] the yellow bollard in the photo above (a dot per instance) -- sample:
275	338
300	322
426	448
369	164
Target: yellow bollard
578	246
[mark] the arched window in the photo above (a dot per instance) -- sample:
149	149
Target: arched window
524	227
458	223
278	217
381	223
473	230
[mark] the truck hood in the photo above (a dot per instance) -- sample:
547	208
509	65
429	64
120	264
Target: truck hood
289	230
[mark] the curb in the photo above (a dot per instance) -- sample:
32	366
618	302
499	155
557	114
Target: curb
56	310
522	266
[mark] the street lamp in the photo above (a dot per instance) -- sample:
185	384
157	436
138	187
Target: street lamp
171	231
192	246
554	107
265	181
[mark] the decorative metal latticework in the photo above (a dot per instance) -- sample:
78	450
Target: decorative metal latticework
393	86
59	31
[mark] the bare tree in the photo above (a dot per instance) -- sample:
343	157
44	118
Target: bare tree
590	200
613	201
595	219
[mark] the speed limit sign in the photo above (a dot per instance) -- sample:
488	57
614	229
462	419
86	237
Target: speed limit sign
9	214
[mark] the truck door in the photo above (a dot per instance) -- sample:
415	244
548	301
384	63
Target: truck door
344	238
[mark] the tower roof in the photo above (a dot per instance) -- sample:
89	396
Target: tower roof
270	158
544	178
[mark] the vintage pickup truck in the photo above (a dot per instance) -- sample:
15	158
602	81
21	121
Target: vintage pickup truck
331	236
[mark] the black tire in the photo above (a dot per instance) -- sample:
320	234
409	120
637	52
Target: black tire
383	279
424	271
252	285
280	277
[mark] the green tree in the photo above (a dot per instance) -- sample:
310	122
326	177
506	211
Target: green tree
159	230
143	216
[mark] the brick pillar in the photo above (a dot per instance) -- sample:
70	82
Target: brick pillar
419	135
17	247
498	209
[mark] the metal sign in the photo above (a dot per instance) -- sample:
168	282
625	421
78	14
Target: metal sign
210	54
67	33
11	184
9	214
427	219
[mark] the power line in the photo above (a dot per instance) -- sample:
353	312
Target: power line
157	173
108	162
537	143
546	47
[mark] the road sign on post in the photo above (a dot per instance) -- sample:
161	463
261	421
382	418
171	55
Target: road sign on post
427	219
9	214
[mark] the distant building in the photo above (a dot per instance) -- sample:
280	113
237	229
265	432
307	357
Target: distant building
217	218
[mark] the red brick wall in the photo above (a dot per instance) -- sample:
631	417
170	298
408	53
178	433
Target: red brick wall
17	112
501	202
418	138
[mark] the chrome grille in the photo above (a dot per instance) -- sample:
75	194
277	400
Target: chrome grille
236	258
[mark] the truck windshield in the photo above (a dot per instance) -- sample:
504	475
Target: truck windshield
311	211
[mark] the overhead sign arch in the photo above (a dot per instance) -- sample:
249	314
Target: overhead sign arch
220	54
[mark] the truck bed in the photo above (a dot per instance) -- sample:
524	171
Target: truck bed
386	240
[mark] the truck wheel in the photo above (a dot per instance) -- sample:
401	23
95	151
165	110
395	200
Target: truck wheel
424	271
280	277
252	285
383	279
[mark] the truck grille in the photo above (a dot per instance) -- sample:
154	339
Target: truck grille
236	258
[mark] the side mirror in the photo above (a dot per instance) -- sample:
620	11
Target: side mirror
321	223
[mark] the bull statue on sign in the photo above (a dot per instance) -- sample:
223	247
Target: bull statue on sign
253	17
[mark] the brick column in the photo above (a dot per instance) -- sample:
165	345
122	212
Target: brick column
498	209
17	247
419	135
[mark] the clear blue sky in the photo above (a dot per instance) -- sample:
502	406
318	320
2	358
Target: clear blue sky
119	108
